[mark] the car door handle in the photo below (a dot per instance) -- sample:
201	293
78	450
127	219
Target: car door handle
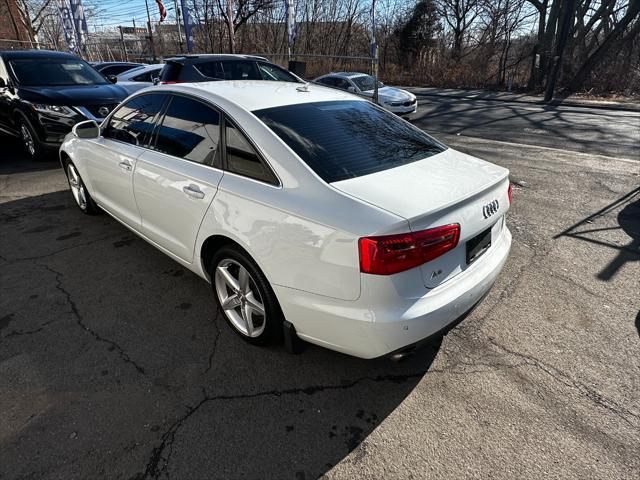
126	166
193	191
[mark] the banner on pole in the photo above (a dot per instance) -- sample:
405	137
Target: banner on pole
68	26
188	27
374	44
79	21
292	28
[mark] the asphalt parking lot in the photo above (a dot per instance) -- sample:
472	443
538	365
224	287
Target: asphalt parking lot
115	364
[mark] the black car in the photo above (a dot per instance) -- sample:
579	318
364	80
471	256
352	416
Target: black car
43	94
114	68
203	68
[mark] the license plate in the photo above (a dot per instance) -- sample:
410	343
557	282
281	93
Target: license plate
478	245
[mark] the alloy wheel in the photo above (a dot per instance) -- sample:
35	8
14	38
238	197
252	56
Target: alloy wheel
240	298
77	187
28	140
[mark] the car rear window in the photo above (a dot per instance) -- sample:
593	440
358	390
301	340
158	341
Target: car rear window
348	139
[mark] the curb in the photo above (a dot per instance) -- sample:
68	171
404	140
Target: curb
554	102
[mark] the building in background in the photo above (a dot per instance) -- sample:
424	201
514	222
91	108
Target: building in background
14	29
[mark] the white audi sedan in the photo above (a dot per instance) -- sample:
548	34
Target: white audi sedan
303	206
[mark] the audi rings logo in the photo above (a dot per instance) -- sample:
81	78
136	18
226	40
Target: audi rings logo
490	208
103	111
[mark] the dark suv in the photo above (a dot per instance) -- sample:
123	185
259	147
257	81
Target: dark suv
203	68
43	94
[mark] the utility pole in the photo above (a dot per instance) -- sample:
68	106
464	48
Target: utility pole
374	51
153	50
124	45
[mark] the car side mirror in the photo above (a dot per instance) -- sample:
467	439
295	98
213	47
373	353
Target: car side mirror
112	78
86	129
351	89
155	80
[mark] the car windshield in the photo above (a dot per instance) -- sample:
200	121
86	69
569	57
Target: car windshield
348	139
54	72
365	82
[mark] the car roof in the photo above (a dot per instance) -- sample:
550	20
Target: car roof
109	64
349	74
259	94
213	57
8	54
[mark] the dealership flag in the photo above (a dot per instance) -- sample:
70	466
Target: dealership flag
67	26
163	11
374	45
79	21
292	29
188	28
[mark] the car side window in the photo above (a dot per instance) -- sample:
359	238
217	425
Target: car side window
329	81
242	157
240	70
210	69
272	72
342	84
118	69
133	122
147	76
190	130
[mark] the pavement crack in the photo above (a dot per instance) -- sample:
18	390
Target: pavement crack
80	321
571	281
215	343
56	252
565	379
16	333
161	454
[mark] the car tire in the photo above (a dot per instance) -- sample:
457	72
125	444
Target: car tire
79	190
29	139
245	296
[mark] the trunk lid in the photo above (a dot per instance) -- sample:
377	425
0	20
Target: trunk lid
450	187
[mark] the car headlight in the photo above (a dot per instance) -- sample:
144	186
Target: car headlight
59	110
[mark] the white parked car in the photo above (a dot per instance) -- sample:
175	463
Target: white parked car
139	77
302	203
393	99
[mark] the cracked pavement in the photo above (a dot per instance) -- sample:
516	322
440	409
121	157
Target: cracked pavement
115	364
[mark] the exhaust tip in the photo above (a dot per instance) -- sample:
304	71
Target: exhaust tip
399	356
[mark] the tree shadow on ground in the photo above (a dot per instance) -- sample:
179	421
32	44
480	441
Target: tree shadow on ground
628	221
128	353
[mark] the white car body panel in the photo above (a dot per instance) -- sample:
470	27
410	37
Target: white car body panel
108	166
126	79
303	233
170	217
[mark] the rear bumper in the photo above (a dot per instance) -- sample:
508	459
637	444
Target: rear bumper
381	321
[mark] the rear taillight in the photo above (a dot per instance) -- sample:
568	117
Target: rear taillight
171	82
510	194
389	254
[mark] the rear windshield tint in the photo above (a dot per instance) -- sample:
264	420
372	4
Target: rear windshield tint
348	139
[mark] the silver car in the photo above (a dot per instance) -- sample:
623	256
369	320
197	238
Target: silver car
393	99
